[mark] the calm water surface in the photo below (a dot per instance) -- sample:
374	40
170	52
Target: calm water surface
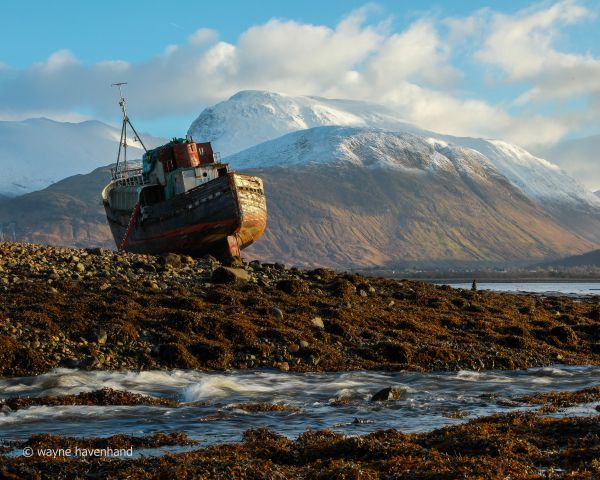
556	288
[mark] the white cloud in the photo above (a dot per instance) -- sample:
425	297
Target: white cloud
203	36
413	70
523	48
57	62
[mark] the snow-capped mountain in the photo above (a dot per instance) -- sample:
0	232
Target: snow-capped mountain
367	148
347	197
252	117
38	152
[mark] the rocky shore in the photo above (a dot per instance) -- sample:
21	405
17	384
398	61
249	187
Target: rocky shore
96	309
516	446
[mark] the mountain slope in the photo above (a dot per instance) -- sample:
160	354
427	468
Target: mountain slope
38	152
68	212
252	117
357	196
347	197
374	191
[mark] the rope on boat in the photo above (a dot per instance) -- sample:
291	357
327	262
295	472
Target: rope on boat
134	215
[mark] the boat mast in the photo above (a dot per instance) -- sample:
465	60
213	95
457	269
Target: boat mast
126	121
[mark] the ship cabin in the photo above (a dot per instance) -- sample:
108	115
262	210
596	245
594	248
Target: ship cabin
166	171
178	167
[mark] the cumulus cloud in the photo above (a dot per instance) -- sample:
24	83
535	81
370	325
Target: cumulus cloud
414	71
523	48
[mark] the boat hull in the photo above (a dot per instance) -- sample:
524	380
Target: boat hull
219	218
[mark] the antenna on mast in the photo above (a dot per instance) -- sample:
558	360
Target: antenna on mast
126	121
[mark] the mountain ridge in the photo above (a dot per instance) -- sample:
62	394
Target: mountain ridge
253	117
38	152
357	195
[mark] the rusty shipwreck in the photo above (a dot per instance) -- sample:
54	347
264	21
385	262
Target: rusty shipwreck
181	199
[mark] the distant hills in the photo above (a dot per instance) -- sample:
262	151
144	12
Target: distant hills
38	152
589	259
68	212
349	184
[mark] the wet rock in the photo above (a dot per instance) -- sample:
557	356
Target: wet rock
293	347
70	362
304	344
89	362
276	312
313	360
187	260
227	275
234	262
283	366
388	394
99	336
171	260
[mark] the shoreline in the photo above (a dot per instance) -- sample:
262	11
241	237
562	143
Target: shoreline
93	309
517	445
100	310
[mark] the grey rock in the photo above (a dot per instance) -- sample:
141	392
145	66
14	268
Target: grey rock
230	275
388	394
171	260
100	336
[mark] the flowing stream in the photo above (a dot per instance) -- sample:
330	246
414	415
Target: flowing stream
209	412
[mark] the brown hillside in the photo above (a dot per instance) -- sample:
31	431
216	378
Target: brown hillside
340	216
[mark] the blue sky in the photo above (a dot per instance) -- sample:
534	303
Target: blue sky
138	30
525	71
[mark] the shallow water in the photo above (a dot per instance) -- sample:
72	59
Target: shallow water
432	400
548	288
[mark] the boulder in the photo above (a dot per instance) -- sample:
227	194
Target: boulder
171	260
388	394
230	275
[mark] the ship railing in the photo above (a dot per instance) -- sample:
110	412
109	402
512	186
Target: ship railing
128	176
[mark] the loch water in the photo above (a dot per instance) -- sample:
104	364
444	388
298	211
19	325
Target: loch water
336	401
